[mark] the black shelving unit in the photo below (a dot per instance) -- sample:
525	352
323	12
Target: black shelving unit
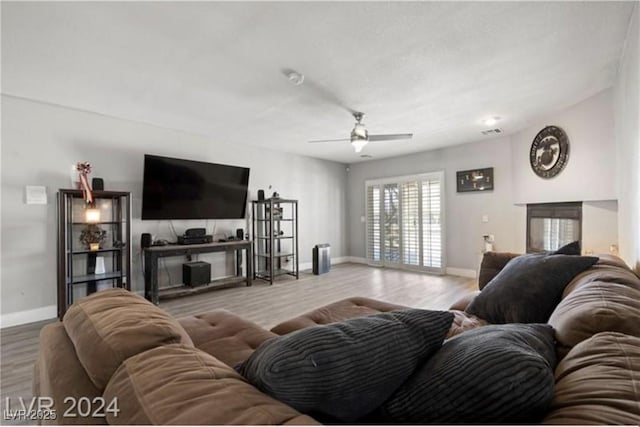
275	237
77	275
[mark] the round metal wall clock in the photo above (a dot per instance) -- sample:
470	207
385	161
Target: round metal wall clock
549	152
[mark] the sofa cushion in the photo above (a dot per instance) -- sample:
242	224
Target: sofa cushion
598	382
336	312
596	307
110	326
224	335
178	384
345	370
494	374
609	268
528	288
463	321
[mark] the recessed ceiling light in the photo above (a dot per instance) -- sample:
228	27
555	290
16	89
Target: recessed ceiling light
491	121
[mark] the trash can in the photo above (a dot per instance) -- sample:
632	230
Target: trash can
321	258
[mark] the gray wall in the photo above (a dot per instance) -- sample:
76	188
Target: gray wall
40	142
589	176
627	113
464	211
591	169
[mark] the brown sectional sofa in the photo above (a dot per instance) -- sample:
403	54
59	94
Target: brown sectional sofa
166	371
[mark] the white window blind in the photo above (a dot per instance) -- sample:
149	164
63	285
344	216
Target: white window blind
404	221
431	223
374	239
410	223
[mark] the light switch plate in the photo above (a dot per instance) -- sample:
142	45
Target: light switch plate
35	195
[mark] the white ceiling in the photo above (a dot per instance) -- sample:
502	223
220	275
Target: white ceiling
432	68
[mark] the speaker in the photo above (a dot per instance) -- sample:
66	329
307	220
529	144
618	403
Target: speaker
145	240
195	232
260	194
196	273
97	184
240	234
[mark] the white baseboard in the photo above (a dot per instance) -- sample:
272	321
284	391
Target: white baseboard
28	316
358	260
463	272
309	265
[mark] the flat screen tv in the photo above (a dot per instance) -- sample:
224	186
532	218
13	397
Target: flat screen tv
188	189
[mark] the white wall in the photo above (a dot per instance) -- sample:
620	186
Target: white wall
464	211
591	168
39	144
599	226
627	134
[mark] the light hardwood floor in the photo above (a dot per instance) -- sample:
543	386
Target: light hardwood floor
266	305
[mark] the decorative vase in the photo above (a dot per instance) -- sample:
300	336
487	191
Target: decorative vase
94	246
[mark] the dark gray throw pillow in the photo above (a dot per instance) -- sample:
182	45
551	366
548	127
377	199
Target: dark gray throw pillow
345	370
489	375
528	288
572	248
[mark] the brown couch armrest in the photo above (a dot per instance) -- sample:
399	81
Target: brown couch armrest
464	301
492	264
58	374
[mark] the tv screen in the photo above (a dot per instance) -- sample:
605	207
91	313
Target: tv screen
187	189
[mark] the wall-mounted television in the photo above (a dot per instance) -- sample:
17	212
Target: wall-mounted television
188	189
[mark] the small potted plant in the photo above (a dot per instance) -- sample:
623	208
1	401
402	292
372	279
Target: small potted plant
92	237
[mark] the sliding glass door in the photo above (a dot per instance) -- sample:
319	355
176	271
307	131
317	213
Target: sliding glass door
405	224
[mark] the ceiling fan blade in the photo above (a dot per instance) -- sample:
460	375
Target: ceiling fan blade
330	140
320	91
390	137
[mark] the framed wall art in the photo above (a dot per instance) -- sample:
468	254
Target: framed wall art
474	180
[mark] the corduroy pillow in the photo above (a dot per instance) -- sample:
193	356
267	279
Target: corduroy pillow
572	248
181	385
493	262
345	370
490	375
528	288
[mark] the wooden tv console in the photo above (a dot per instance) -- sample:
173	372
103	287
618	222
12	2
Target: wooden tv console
154	253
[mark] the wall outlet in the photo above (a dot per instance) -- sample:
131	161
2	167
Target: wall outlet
485	218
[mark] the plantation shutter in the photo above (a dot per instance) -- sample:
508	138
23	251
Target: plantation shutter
405	222
431	223
374	237
411	223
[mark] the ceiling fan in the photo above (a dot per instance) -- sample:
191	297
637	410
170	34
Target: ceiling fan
360	136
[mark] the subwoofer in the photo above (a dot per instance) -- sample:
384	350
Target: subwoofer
145	240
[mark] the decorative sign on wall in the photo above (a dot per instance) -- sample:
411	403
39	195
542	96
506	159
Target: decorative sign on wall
475	180
549	152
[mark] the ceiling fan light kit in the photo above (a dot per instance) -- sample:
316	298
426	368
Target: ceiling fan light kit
358	144
360	137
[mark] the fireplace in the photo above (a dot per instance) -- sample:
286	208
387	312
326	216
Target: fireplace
552	225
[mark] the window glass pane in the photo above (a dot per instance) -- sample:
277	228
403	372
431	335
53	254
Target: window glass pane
549	234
